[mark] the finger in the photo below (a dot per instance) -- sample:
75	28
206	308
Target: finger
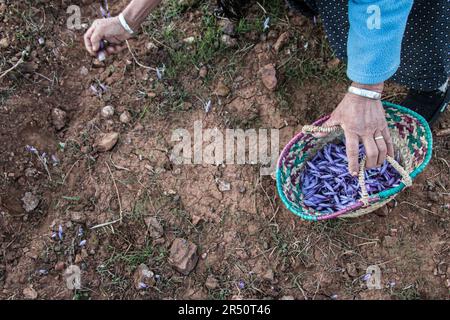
95	39
371	152
329	123
382	148
388	140
352	149
87	40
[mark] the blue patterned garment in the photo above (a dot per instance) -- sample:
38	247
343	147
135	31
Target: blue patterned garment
410	46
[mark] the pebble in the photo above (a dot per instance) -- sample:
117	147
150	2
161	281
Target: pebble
30	202
228	27
268	76
155	229
125	117
143	277
229	41
84	71
189	40
77	216
29	293
221	89
223	185
287	298
59	118
59	266
281	41
107	142
203	72
183	256
333	63
107	112
4	43
211	283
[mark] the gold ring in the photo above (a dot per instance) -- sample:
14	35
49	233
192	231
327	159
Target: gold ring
379	138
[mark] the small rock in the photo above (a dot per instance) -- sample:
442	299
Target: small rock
84	71
107	142
125	117
351	269
222	90
187	3
228	27
287	298
442	268
223	185
433	196
72	275
268	275
155	229
30	202
393	232
78	258
151	46
203	72
447	283
77	216
269	76
229	41
189	40
59	118
382	212
143	277
183	256
4	43
107	112
281	41
59	266
389	241
333	63
30	293
211	283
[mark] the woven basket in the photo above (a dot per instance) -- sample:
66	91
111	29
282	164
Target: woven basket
412	140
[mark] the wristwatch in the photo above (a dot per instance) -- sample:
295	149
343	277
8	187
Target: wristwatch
365	93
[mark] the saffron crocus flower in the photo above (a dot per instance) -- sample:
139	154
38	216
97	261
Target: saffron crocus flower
241	284
60	232
266	24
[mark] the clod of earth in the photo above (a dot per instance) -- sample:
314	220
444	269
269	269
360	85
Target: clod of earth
30	202
143	277
107	142
211	283
228	27
59	266
4	43
183	256
223	185
281	41
269	76
155	229
333	63
189	40
221	89
203	72
77	216
125	117
107	112
228	41
59	118
29	293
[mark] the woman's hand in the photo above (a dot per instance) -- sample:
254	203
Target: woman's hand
108	29
363	119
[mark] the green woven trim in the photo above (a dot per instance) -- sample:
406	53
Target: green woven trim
428	136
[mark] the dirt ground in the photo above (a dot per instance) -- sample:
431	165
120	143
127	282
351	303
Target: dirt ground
249	245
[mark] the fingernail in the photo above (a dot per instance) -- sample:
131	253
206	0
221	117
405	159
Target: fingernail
354	173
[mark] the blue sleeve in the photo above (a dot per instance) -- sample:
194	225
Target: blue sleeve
375	38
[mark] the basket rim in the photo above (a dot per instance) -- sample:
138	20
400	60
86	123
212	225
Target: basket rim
377	197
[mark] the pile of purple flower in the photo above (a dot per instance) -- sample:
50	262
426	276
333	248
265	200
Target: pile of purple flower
328	186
